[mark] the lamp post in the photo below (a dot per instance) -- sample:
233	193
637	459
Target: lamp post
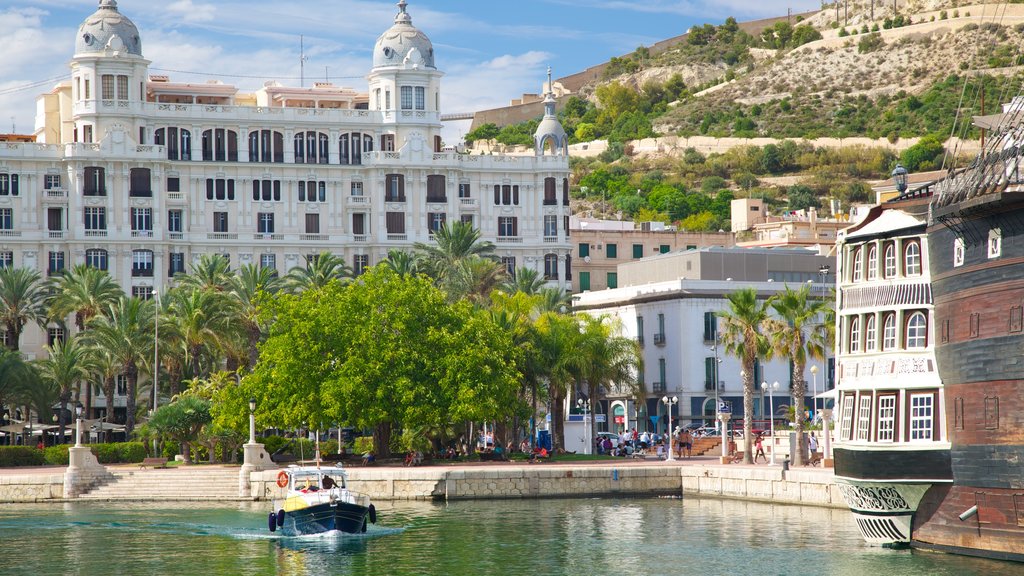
156	354
771	408
714	350
78	425
899	178
585	406
814	391
252	420
669	402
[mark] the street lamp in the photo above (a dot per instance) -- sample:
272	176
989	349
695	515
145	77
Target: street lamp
771	408
899	177
714	350
669	402
814	391
584	405
252	420
156	355
78	425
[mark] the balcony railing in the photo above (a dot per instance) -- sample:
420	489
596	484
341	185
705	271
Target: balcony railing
398	237
56	193
267	236
95	233
360	238
10	233
176	196
56	234
175	236
221	236
509	240
358	200
467	202
314	237
142	233
551	239
659	339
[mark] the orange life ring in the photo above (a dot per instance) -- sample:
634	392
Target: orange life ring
282	479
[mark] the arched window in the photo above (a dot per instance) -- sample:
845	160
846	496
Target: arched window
266	146
220	145
917	330
873	262
890	260
889	332
311	148
870	335
551	267
912	259
858	264
96	258
854	335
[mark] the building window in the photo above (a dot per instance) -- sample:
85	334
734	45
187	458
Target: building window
584	281
995	242
846	424
613	280
872	262
8	184
220	145
265	223
394	222
864	419
550	225
464	190
94	181
142	263
611	250
173	184
959	252
854	335
312	191
220	222
550	267
858	264
177	141
922	414
436	221
360	263
917	331
889	332
96	258
870	334
139	183
584	249
266	190
54	335
55	263
311	148
357	188
266	146
550	192
142	220
508	226
506	195
889	270
394	188
710	326
436	188
268	261
177	264
174	221
466	219
95	218
406	92
107	87
6	219
122	87
312	223
421	98
638	251
359	227
50	181
509	262
6	259
886	418
220	189
912	259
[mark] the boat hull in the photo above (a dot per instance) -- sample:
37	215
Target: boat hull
319	518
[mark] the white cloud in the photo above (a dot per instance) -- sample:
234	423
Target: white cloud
190	13
717	9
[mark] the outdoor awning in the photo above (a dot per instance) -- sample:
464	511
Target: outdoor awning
827	395
16	428
106	426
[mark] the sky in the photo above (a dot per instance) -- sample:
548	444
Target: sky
490	51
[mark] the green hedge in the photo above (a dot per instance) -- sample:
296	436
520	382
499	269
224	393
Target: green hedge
11	456
114	453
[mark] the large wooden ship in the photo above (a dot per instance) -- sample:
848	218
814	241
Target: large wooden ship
976	249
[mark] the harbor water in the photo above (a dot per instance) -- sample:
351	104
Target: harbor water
529	537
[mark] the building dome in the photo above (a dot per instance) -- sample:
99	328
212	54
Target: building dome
403	43
550	130
108	29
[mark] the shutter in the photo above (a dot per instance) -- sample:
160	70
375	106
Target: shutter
497	195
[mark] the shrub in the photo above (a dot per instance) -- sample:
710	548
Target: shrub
119	452
11	456
870	43
363	444
57	455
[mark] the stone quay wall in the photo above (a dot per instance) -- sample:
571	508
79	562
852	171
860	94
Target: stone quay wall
31	487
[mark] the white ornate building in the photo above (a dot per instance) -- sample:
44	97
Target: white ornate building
140	176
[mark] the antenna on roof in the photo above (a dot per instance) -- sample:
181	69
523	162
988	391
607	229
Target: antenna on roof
14	127
302	63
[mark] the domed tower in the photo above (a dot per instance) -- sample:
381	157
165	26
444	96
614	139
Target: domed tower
550	130
405	86
108	76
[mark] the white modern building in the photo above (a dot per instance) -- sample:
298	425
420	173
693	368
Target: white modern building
139	175
669	305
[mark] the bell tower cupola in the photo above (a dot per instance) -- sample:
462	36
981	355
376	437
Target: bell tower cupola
550	134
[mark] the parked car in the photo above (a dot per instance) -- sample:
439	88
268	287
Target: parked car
706	431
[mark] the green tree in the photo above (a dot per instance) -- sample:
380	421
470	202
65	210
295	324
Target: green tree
67	364
83	291
203	320
181	421
527	280
212	272
250	284
319	271
22	295
602	359
794	335
923	155
802	197
742	325
403	263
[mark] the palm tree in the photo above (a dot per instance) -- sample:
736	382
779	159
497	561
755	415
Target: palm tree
68	363
403	263
795	335
106	369
604	360
527	280
84	291
212	272
21	301
473	279
125	331
318	272
16	377
203	319
555	337
246	288
742	324
455	241
554	300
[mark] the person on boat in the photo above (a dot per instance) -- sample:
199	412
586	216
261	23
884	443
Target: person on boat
308	486
328	482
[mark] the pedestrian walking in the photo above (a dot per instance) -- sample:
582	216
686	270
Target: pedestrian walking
759	446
